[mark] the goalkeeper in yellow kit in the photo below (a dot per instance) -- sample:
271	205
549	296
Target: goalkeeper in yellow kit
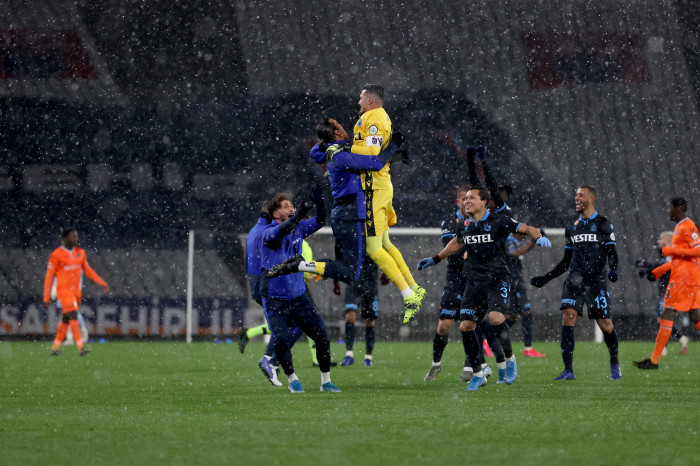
371	135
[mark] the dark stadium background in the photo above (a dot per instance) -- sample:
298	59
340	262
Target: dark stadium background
138	121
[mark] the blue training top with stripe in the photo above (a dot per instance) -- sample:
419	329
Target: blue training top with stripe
277	248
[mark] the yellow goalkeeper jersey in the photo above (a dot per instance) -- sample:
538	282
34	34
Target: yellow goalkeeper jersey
371	135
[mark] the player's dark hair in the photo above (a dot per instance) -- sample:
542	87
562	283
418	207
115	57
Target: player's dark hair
463	188
67	231
679	202
276	202
376	90
483	192
591	189
325	131
508	189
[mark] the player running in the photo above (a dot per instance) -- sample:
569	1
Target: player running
645	271
590	243
67	265
683	291
488	278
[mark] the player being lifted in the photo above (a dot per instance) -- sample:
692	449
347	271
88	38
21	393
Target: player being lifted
371	135
67	264
590	243
488	278
683	291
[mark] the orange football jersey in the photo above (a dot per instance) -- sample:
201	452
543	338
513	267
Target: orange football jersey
685	269
68	267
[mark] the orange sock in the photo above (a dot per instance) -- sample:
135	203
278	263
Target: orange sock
697	325
75	329
60	335
665	328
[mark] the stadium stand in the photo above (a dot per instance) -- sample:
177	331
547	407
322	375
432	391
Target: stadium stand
601	92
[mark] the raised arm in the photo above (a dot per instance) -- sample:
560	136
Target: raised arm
452	247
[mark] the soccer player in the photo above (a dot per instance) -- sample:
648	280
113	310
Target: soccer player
590	243
371	135
455	281
67	264
361	295
517	247
349	212
645	270
286	303
488	279
683	291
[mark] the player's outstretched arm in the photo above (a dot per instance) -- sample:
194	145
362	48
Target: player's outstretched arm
683	252
558	269
534	233
659	271
355	162
452	247
490	180
312	225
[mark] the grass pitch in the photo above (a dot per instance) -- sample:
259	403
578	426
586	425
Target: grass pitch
173	403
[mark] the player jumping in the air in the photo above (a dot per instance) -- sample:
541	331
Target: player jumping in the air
371	135
590	243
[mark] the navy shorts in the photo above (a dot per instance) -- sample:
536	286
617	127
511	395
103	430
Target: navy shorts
451	298
519	302
484	295
593	293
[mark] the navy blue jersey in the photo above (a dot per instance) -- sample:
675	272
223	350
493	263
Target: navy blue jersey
448	230
344	172
485	241
588	238
253	243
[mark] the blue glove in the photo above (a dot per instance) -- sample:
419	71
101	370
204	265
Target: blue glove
425	263
544	242
612	275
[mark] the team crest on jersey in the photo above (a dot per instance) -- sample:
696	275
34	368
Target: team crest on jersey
594	227
487	227
373	129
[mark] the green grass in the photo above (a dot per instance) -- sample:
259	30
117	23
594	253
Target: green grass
172	403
